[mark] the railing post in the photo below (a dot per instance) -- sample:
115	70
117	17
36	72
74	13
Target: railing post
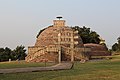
72	47
59	48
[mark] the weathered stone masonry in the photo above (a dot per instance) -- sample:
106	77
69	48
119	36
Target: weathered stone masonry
60	43
48	44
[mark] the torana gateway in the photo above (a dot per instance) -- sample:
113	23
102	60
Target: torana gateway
61	43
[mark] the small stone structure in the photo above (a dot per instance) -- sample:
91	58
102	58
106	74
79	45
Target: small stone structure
97	49
57	43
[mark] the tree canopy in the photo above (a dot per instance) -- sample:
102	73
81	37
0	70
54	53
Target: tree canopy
7	53
116	46
19	52
87	35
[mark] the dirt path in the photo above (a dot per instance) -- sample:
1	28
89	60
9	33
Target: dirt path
60	66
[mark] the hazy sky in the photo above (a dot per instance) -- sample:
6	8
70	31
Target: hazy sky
21	20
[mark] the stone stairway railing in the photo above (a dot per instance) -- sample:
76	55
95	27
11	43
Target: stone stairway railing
29	55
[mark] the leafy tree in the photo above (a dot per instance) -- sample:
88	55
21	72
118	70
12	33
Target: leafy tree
8	51
116	46
5	54
94	37
87	35
1	54
19	52
118	43
2	50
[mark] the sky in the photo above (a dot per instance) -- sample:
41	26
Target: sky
21	20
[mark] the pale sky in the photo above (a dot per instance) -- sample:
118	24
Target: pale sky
21	20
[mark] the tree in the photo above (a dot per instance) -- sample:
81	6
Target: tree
5	54
118	43
94	37
1	54
1	50
116	46
87	35
19	52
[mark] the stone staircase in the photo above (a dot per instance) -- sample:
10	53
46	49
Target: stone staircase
43	55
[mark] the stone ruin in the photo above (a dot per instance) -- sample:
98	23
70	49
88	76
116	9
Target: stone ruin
97	50
58	43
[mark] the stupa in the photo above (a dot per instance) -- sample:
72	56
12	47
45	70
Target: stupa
57	43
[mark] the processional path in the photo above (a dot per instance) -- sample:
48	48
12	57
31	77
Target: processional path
60	66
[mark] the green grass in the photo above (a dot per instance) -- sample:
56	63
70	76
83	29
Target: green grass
22	64
101	70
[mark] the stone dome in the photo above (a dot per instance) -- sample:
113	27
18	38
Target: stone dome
50	36
57	43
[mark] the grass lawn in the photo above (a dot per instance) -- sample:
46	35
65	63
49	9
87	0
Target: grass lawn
101	70
22	64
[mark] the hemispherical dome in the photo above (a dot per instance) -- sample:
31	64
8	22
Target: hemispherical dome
50	37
